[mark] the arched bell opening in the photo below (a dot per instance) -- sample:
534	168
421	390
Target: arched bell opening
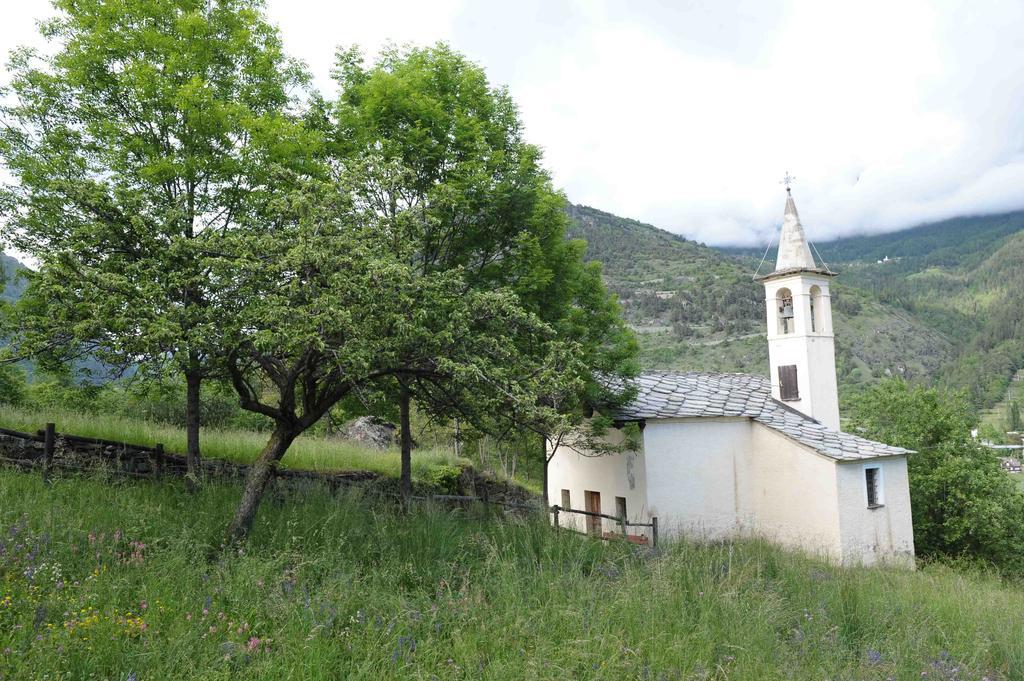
818	317
784	299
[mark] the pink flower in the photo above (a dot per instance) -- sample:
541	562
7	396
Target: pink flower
253	645
143	605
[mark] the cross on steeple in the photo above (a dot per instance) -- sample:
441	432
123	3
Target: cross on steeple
787	181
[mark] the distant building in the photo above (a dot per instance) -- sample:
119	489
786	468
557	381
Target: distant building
1010	464
724	455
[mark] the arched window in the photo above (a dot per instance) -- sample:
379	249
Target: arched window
785	304
817	321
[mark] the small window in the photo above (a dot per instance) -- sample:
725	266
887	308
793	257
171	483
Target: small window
788	389
873	486
566	500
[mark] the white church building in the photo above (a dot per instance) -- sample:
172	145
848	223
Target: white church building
728	455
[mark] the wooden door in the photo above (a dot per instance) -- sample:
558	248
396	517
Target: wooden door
593	503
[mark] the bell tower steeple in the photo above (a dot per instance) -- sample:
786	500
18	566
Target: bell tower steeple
801	344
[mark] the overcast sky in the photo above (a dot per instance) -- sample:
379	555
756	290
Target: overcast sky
687	114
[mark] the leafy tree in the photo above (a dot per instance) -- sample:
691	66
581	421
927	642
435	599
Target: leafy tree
147	135
964	505
449	176
329	309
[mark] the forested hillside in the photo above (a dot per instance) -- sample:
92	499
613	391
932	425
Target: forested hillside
945	307
13	285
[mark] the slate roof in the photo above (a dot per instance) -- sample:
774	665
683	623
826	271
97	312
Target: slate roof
686	395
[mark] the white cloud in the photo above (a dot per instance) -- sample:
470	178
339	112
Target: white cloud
686	115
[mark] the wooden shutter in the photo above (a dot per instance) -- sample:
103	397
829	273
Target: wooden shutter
788	389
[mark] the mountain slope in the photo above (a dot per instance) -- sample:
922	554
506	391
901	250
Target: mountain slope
695	307
13	285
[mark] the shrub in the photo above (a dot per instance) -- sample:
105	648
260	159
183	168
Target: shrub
965	507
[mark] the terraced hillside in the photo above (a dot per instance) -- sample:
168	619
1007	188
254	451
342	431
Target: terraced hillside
924	316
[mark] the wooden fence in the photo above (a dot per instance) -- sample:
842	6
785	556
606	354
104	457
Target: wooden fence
141	461
623	522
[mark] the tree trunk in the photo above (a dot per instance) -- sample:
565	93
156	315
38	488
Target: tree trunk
260	474
192	422
406	434
544	458
458	438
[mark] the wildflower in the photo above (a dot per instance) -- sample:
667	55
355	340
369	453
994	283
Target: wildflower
188	616
143	605
253	644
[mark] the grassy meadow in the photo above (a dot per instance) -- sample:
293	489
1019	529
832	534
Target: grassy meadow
308	452
127	580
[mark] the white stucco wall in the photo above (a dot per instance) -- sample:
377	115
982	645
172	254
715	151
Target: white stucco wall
876	535
792	494
712	478
692	474
613	475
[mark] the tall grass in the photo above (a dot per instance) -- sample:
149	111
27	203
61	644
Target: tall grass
116	580
242	446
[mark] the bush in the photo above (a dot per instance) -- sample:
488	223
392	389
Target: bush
12	385
965	507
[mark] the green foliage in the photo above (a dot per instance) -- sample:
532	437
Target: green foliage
445	170
445	479
331	583
964	505
12	385
147	132
912	416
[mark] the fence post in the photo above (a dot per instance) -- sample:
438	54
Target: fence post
49	445
622	523
654	531
158	454
554	509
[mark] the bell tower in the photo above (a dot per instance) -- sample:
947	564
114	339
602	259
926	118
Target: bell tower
801	345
